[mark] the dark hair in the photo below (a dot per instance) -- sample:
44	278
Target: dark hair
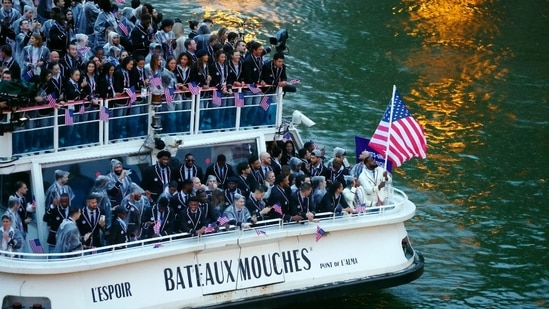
334	186
231	36
125	62
193	24
305	186
242	166
276	151
253	158
280	178
190	62
6	49
278	56
19	184
73	210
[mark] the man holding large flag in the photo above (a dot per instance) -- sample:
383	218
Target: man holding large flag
399	137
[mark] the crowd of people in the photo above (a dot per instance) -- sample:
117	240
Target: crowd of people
283	184
84	52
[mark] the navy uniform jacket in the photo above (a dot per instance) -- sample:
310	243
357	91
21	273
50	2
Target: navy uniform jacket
300	205
152	180
53	217
86	225
280	196
215	170
220	75
271	75
178	202
251	69
118	233
196	171
188	222
330	203
166	227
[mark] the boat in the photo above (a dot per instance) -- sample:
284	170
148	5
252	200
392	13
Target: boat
276	262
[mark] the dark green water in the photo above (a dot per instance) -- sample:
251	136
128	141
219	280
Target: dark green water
476	76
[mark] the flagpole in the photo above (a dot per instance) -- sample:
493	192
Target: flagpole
389	131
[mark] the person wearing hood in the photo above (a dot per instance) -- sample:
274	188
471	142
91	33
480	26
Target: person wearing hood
342	154
136	203
154	49
104	21
120	182
104	204
166	38
68	237
238	214
202	37
13	213
59	187
113	39
11	240
295	166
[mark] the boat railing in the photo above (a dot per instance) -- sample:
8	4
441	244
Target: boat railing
261	228
76	124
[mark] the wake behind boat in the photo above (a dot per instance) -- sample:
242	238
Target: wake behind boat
271	259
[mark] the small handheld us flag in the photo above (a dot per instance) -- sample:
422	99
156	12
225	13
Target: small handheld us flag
123	28
320	233
216	99
253	88
69	117
104	114
194	88
222	220
168	93
265	102
51	100
277	208
238	99
131	93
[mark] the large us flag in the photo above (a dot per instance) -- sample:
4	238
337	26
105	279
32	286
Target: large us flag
402	133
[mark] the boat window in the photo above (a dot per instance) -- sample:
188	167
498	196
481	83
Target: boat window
204	156
83	174
7	187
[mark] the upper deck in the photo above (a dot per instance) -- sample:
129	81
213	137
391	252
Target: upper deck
43	133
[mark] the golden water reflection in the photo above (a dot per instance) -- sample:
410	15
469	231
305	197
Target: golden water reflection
456	62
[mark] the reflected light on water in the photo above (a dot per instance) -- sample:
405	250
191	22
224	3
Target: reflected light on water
455	62
247	16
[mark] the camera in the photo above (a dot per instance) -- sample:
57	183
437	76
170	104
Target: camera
279	40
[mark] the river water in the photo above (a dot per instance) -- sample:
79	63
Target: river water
475	74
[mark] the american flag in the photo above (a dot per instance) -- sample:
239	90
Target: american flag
265	102
295	81
156	82
260	232
82	109
120	1
156	227
194	89
69	117
131	93
402	133
277	208
158	245
216	99
35	245
168	93
360	208
210	228
28	75
51	100
238	99
104	114
287	137
253	88
222	220
315	146
123	28
320	233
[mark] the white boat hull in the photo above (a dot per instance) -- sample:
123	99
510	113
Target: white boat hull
218	270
